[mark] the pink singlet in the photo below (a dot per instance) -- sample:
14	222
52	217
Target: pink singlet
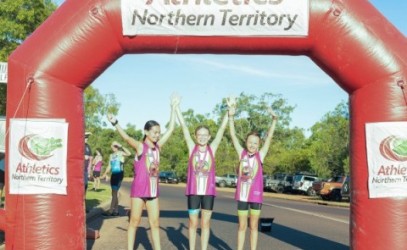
201	173
145	181
250	179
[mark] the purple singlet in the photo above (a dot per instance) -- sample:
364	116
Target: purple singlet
98	166
201	173
145	181
250	178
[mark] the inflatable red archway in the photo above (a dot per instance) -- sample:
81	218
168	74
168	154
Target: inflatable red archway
349	39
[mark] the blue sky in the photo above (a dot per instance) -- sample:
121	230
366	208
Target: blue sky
143	84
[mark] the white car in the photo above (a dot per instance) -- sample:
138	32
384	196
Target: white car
302	183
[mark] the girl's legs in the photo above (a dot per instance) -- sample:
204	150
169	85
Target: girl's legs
205	228
194	204
97	183
241	232
135	218
254	228
114	205
207	202
94	183
193	225
153	209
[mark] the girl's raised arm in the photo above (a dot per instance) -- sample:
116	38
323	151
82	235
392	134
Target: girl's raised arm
232	111
185	131
138	146
270	132
219	135
164	138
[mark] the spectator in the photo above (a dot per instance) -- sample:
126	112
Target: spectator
97	164
116	168
88	160
2	164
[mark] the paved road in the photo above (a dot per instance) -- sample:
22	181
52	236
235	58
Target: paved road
296	225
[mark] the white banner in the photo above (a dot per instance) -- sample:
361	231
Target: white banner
38	156
386	144
3	72
215	17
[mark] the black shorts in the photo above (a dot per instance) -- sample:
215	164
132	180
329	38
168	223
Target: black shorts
96	174
200	201
242	205
116	180
1	177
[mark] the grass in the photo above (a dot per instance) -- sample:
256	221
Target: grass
95	198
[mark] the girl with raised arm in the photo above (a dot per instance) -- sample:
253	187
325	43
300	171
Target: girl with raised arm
145	189
201	186
249	189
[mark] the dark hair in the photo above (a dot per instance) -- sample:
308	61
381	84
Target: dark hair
99	150
202	126
149	125
254	133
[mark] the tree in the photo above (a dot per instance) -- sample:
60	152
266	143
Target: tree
329	143
252	115
18	19
97	106
292	152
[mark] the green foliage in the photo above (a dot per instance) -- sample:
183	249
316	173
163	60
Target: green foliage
18	19
292	152
325	152
3	99
174	154
252	115
97	106
329	143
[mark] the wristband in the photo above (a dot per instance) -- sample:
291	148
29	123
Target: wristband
115	123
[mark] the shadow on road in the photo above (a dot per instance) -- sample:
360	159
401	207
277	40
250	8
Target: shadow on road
176	236
303	240
179	238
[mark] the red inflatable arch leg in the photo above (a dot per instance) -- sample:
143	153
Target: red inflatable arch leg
349	40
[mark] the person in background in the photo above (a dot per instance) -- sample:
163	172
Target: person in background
249	189
145	189
201	185
97	164
87	161
2	165
116	169
87	165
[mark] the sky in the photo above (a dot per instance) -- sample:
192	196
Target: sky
143	83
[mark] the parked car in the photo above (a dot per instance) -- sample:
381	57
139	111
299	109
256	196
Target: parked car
168	177
331	189
279	182
317	186
302	183
226	180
